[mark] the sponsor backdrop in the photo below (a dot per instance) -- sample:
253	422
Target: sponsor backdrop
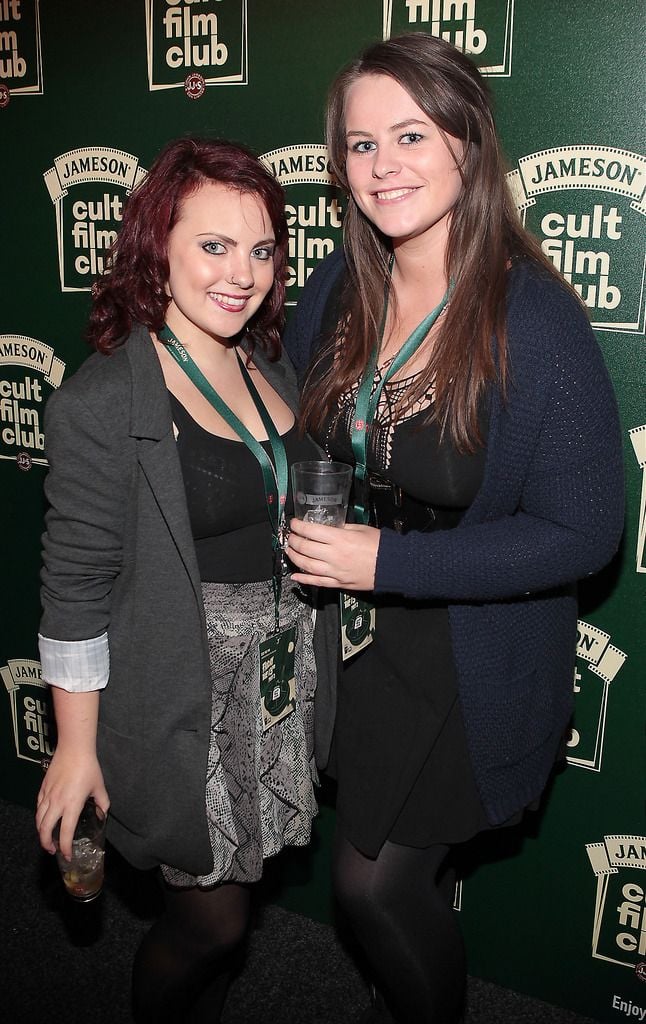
89	92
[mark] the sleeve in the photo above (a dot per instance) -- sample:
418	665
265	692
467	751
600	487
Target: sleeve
77	666
566	515
87	490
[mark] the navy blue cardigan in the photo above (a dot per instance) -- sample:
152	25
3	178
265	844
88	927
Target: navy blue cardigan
549	512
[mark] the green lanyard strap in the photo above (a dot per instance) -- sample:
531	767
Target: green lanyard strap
274	473
368	399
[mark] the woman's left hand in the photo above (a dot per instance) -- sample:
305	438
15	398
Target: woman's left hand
332	556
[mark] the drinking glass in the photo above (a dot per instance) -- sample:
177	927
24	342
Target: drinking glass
321	491
83	874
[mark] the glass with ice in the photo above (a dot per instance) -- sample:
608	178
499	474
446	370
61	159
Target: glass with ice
321	491
83	874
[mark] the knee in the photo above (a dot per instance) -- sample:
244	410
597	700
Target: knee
355	895
218	937
208	923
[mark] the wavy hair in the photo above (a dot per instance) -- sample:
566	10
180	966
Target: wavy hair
484	234
134	288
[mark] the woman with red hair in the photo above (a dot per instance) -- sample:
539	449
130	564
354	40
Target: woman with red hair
179	655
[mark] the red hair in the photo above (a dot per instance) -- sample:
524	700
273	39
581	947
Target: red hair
133	291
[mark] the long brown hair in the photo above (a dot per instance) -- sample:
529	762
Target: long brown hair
484	233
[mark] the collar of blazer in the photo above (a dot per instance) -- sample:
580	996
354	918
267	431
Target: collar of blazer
150	408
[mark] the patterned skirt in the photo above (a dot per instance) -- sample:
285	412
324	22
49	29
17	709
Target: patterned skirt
259	784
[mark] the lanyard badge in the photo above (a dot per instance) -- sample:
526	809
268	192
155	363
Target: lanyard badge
277	676
358	616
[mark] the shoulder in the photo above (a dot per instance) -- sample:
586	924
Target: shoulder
321	284
101	387
554	355
323	278
545	320
539	301
279	372
305	324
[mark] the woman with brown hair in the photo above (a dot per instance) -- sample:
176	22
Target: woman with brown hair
458	373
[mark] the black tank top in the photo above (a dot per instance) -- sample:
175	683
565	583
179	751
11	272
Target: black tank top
226	499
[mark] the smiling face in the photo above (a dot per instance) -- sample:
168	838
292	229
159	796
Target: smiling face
220	255
402	174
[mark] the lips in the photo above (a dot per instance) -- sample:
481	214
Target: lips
393	194
230	303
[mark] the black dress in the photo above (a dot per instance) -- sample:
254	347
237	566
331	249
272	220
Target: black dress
399	751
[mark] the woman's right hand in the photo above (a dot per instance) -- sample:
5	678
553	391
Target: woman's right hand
69	781
74	773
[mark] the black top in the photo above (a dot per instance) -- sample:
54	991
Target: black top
408	452
226	499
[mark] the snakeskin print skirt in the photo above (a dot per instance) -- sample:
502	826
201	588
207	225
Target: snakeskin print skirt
259	784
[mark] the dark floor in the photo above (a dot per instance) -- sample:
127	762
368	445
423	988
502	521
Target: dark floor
63	963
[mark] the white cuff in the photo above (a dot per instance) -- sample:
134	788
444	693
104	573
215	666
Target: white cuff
78	666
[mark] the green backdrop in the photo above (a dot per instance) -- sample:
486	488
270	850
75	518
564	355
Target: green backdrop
89	92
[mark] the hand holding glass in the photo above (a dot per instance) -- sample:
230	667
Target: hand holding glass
321	492
83	874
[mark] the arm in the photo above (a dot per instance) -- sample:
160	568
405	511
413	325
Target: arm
87	491
551	509
557	520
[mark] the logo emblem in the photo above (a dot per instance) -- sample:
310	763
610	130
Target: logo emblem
585	204
31	710
194	86
88	187
598	662
483	31
190	42
619	930
21	65
313	209
26	365
358	627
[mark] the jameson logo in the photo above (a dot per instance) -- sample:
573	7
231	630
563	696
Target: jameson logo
586	204
598	662
484	30
21	66
31	710
313	209
26	366
619	931
88	188
638	439
207	37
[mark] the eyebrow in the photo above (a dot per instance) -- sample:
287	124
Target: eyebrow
393	128
232	241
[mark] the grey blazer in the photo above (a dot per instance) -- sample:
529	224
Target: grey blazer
119	557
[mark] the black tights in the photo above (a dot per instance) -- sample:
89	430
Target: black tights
181	969
400	908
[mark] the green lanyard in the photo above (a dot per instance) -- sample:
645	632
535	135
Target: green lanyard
368	400
274	473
